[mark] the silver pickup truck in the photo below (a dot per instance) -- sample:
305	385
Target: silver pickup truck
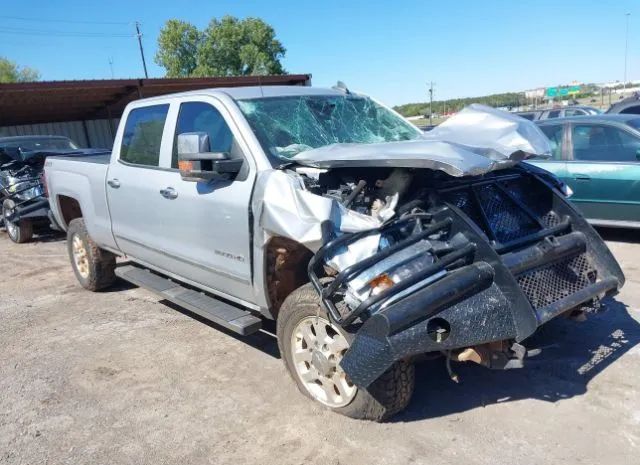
368	241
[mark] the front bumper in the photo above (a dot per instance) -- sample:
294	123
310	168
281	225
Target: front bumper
525	257
35	209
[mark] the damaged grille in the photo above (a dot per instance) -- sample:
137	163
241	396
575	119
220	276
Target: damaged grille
510	209
506	220
548	285
495	208
463	200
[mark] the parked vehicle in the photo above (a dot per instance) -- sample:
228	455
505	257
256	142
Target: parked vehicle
577	110
598	157
22	194
627	106
367	240
529	115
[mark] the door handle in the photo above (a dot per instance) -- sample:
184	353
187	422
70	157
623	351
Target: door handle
113	183
581	177
169	193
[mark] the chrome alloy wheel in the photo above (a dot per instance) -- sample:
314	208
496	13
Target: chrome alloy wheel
12	228
80	256
317	348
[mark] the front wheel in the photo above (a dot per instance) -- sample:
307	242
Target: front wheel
312	348
19	231
94	267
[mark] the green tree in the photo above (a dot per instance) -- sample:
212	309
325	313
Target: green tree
509	99
178	48
227	47
11	72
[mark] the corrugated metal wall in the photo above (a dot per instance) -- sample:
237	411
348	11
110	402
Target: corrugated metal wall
91	133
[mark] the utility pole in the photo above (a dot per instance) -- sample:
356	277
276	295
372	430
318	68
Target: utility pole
139	35
626	48
111	66
431	103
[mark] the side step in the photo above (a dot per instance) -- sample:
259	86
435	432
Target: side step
222	313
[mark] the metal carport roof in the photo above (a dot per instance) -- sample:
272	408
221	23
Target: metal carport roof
54	101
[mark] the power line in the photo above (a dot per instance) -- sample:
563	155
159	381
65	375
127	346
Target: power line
60	33
68	21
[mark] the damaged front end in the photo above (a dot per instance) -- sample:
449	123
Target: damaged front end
470	261
442	243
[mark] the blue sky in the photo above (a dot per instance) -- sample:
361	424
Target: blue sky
386	49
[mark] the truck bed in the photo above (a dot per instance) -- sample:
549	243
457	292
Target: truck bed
82	177
101	158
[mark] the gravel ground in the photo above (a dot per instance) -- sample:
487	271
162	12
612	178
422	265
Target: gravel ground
122	377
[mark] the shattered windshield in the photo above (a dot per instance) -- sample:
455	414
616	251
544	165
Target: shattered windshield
286	126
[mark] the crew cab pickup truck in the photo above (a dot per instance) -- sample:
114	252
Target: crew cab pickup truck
368	241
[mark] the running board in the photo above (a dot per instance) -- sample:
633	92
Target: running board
217	311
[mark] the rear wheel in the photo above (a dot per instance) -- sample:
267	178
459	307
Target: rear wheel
94	267
19	231
312	348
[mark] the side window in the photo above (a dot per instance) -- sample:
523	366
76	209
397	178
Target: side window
553	114
626	146
143	135
574	112
589	142
202	117
554	134
604	143
635	110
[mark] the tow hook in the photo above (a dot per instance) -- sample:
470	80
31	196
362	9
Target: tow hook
496	355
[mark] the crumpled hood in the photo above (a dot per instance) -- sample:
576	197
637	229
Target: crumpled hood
477	140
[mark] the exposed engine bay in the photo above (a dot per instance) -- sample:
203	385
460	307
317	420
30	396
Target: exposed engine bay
457	262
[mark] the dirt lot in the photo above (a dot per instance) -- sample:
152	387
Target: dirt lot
121	377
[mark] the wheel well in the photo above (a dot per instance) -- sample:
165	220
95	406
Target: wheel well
69	208
286	269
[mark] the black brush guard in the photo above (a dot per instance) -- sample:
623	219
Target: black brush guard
513	254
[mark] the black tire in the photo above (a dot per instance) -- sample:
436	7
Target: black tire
20	231
383	398
100	266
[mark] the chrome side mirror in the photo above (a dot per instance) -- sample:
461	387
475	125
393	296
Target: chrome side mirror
198	164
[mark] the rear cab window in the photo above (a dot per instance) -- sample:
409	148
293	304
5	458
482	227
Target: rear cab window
142	135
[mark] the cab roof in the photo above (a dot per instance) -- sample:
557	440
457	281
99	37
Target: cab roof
253	92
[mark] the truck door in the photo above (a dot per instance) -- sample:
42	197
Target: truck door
134	180
201	229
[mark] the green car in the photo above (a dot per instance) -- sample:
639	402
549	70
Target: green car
598	157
